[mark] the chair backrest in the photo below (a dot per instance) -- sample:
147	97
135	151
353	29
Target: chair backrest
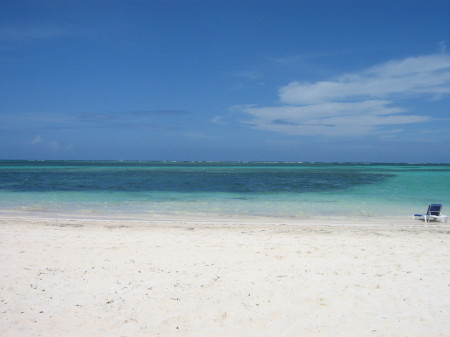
434	209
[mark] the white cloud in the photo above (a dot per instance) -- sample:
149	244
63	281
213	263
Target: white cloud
358	103
353	118
219	120
41	142
36	140
428	75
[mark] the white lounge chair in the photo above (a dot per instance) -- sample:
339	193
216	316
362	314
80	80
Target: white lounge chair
433	214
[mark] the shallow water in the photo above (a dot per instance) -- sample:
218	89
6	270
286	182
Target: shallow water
221	188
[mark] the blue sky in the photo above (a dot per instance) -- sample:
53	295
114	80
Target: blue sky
306	80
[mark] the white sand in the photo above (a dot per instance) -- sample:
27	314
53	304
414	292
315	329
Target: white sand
72	277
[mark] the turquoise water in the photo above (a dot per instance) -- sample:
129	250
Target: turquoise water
221	188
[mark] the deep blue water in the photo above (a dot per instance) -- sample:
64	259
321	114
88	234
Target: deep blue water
182	177
220	188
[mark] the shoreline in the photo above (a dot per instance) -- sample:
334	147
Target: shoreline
64	276
220	219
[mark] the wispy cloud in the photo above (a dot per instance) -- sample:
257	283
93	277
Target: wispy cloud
292	59
197	134
167	112
156	120
249	75
52	145
219	120
136	119
412	76
36	140
358	103
26	33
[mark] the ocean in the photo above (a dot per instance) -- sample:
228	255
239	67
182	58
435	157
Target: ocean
223	189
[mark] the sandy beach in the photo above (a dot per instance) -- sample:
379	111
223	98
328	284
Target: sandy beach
118	277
